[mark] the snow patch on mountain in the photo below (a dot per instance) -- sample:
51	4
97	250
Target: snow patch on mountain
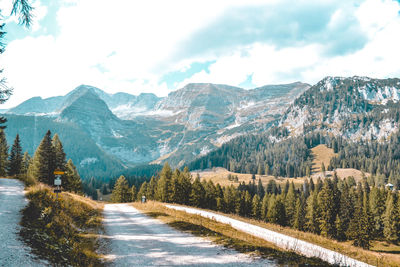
88	161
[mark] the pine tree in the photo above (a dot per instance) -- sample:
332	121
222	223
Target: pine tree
25	163
326	205
391	219
299	216
264	207
186	183
133	193
290	204
121	191
256	207
15	160
359	227
151	189
163	185
43	164
197	195
377	207
260	189
71	179
142	191
60	160
312	213
3	154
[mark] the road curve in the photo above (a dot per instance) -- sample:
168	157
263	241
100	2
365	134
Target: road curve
281	240
138	240
12	250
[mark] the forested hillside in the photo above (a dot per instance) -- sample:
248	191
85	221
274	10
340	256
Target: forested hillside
357	117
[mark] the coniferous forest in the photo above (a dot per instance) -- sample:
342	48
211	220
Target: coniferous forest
48	157
334	208
292	157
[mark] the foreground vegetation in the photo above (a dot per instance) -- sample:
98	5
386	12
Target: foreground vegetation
224	235
65	230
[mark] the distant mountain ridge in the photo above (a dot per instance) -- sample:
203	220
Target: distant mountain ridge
127	130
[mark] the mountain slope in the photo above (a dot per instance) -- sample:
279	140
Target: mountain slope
128	130
356	108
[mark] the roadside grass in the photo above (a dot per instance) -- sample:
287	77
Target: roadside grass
381	253
65	230
224	235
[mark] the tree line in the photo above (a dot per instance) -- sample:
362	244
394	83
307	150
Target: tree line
48	157
334	208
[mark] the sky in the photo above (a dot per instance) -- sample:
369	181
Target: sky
160	46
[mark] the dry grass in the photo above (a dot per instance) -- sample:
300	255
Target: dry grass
224	234
378	256
220	176
321	154
63	230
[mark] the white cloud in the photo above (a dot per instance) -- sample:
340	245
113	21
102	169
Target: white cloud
125	45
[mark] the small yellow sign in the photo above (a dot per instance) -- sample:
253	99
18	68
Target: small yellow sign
58	172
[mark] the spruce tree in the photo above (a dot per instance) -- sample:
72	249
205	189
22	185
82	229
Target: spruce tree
260	189
299	216
43	164
121	191
133	193
326	215
151	188
290	204
25	163
71	179
312	213
391	219
142	191
60	160
163	185
256	207
264	207
15	160
197	195
377	207
3	154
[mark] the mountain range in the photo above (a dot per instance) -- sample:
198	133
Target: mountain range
106	133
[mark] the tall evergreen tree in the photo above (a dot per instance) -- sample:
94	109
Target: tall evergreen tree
43	164
3	153
197	196
391	219
59	153
290	204
256	207
142	191
25	163
133	193
312	213
121	191
326	205
264	207
15	160
163	185
71	179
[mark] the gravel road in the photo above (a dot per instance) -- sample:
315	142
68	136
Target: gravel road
13	252
138	240
281	240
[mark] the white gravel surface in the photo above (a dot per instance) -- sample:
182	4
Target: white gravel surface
12	250
138	240
281	240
